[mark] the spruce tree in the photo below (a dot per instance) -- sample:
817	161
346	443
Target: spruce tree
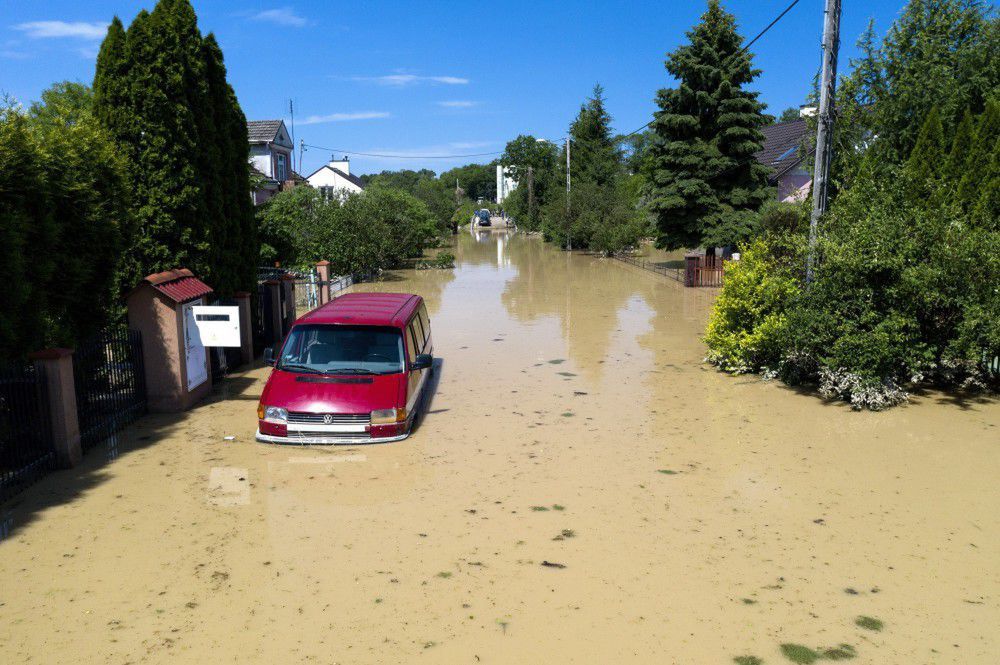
704	184
980	155
924	167
594	157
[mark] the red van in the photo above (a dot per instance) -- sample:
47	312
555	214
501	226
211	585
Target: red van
351	371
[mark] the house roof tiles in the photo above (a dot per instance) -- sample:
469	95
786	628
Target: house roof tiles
262	131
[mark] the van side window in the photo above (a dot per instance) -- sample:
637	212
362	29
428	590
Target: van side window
414	347
422	313
418	328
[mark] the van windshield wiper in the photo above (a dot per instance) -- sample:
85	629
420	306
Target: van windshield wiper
305	369
351	370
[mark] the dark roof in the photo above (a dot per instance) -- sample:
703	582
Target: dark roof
372	309
785	145
262	131
179	285
346	176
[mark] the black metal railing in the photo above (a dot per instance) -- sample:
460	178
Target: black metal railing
673	273
110	384
26	450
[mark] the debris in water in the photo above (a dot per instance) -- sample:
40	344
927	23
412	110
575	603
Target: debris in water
851	591
748	660
553	564
869	623
229	438
557	361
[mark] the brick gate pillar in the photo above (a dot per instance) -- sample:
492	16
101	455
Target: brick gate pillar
323	271
246	330
57	365
691	269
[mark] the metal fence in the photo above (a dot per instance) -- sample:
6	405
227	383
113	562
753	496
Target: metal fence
673	273
110	384
26	450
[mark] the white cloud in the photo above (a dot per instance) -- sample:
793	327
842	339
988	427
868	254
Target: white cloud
344	117
283	16
63	29
458	104
400	80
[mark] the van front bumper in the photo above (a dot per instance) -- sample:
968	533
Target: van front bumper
318	439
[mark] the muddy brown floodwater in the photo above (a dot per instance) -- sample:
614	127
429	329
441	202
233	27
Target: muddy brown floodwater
695	517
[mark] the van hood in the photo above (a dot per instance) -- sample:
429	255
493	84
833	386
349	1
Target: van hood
319	393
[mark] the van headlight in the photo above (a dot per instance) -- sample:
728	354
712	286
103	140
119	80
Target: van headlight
388	416
275	414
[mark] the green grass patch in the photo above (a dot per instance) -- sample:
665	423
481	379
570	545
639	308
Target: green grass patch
667	472
840	652
540	509
800	654
444	574
869	623
556	506
748	660
748	601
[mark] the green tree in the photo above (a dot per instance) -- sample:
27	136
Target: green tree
160	91
924	167
938	53
63	204
594	155
704	183
789	114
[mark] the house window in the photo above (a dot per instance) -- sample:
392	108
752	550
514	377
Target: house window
281	169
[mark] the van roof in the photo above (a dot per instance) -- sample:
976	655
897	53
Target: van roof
366	309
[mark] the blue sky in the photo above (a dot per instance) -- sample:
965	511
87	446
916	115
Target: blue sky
434	78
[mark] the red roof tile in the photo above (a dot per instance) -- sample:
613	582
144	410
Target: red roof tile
178	285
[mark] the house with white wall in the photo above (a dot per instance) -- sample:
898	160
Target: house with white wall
334	179
505	183
271	150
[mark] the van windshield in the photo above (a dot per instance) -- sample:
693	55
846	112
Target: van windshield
334	349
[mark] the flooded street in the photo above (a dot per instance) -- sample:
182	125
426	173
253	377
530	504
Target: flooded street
583	489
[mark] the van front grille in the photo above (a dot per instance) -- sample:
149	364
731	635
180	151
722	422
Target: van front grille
301	418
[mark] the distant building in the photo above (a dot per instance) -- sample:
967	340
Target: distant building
271	158
787	146
505	183
335	180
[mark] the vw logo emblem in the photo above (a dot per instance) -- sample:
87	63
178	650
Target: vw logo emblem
327	419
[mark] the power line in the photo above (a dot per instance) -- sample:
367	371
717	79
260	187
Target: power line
375	154
500	152
741	51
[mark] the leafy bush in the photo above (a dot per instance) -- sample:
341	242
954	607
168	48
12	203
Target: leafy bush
363	234
906	289
63	218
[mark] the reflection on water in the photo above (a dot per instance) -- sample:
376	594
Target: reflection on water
698	516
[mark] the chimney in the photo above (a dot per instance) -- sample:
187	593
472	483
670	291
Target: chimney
342	164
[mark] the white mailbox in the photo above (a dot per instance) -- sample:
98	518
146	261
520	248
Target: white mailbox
217	325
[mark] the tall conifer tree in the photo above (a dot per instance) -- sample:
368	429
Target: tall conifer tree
704	183
161	90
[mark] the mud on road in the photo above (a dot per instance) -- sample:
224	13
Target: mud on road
582	489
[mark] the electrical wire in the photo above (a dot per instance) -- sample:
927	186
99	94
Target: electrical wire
741	51
500	152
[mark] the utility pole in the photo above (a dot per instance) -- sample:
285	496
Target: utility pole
824	132
569	242
531	194
291	110
302	148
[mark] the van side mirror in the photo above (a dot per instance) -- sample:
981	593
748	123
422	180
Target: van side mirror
269	356
422	361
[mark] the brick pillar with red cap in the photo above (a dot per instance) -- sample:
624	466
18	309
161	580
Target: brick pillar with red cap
323	271
57	366
246	330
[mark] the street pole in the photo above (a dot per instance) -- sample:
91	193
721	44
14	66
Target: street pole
824	131
569	242
531	195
